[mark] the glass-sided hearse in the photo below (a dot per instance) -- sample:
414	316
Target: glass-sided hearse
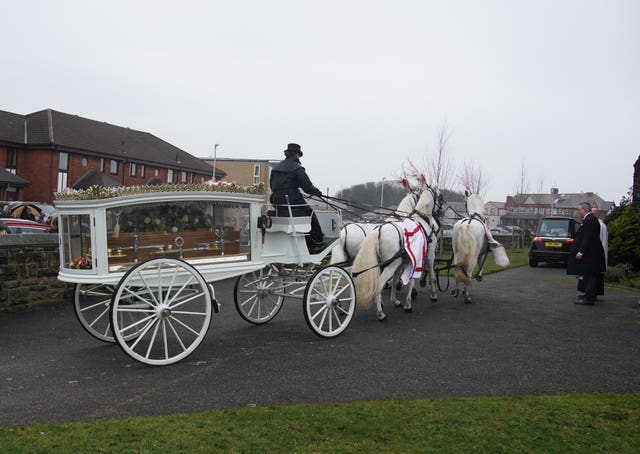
143	260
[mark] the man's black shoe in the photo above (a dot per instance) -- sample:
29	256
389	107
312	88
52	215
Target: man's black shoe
584	302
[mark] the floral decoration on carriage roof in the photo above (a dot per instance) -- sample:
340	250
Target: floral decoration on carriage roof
100	192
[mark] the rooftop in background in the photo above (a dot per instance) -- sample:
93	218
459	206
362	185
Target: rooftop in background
50	127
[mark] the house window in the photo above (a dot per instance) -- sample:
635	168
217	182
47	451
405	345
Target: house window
141	170
102	165
63	175
12	160
256	174
133	168
169	175
183	176
113	167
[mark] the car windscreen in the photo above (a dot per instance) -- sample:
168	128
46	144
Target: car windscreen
555	228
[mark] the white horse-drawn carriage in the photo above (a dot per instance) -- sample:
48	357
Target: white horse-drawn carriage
144	260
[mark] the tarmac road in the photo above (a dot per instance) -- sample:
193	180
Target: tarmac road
521	335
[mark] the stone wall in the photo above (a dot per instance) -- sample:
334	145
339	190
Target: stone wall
29	270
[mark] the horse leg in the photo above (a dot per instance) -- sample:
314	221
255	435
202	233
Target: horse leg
379	312
465	293
394	288
432	279
388	273
478	276
408	297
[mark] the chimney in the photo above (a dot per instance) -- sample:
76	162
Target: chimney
554	191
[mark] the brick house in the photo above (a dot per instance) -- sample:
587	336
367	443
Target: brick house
48	151
244	172
526	210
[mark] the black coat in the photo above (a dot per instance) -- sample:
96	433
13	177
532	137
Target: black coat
587	241
286	178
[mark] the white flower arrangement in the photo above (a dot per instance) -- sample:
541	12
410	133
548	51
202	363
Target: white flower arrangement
100	192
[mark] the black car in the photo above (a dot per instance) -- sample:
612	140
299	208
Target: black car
553	241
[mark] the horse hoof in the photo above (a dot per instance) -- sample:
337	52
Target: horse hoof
414	293
479	278
434	299
408	309
382	318
467	301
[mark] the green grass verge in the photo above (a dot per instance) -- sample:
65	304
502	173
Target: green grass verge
550	424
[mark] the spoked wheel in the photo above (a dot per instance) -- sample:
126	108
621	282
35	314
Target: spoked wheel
258	296
172	304
329	301
91	304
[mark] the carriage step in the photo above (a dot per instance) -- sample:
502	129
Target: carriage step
214	301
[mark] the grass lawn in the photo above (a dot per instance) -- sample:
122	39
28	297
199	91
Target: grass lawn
521	424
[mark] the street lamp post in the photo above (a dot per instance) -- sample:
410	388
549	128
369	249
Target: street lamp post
382	193
215	153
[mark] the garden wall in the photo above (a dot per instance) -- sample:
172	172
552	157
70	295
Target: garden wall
28	271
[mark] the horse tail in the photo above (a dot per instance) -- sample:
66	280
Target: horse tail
338	254
465	253
366	264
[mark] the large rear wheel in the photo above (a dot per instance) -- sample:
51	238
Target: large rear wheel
172	305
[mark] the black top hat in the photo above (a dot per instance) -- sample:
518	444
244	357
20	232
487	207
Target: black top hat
293	148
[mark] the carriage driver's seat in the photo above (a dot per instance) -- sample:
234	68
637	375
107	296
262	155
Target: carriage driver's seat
285	218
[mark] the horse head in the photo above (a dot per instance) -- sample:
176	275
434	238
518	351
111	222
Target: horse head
475	206
426	203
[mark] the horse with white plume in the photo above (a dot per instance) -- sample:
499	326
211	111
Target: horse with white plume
388	248
471	243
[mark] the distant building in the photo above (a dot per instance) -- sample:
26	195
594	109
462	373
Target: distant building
494	211
244	172
526	210
49	151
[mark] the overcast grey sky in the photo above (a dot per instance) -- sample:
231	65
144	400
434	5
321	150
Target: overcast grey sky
363	85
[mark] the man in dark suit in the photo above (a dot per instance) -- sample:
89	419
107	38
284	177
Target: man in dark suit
586	257
287	178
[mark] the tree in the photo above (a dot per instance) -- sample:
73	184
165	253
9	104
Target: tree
522	186
439	169
473	179
616	211
624	239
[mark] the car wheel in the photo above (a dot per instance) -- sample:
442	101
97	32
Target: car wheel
533	262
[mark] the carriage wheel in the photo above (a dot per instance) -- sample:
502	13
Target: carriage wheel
172	306
257	297
329	301
91	304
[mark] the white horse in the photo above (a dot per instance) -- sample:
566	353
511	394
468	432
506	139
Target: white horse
353	234
384	247
471	244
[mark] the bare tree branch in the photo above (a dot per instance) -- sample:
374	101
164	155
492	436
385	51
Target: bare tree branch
473	179
439	168
522	186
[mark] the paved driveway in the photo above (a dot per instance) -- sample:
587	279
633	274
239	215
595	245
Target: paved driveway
522	335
